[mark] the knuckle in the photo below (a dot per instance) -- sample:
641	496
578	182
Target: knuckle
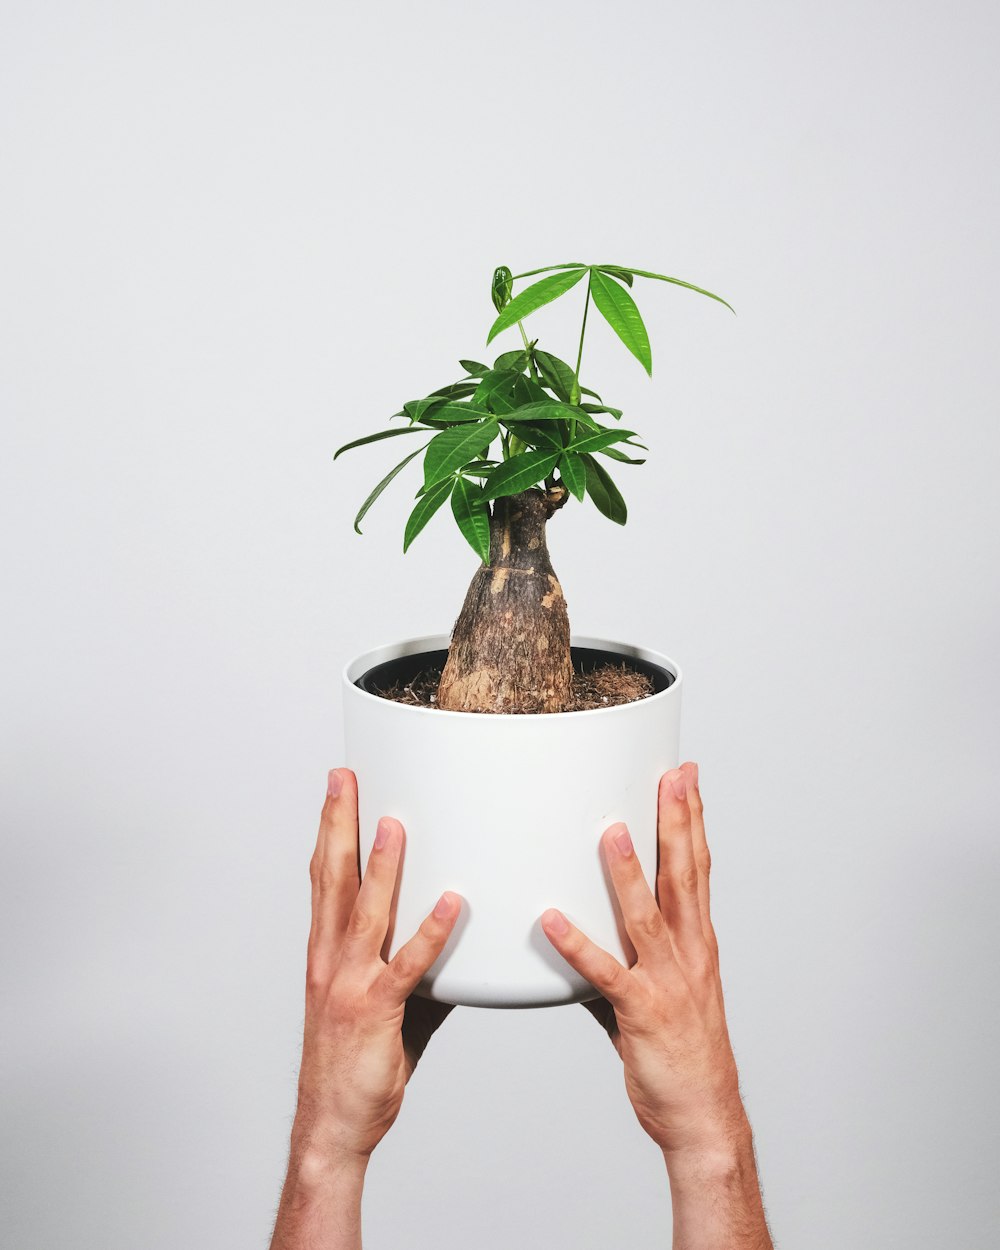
431	928
702	965
705	862
686	881
361	923
321	874
650	924
316	980
573	942
616	981
401	970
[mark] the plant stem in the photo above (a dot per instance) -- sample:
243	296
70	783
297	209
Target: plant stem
583	329
527	348
575	397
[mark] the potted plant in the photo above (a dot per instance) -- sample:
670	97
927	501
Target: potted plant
507	749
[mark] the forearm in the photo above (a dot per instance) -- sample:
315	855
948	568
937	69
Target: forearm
320	1205
716	1197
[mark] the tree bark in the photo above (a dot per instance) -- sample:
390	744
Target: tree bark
510	646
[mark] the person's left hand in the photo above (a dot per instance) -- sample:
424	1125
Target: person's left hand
363	1032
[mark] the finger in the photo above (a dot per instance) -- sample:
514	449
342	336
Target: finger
677	878
702	855
644	923
595	965
334	868
369	919
412	961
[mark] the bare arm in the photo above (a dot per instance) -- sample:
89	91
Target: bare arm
666	1017
363	1031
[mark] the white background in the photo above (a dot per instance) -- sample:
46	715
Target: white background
233	237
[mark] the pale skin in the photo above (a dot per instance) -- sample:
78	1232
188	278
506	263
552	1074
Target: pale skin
365	1029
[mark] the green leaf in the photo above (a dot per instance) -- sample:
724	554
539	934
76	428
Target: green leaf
473	368
416	409
363	510
546	410
573	473
376	438
533	435
472	513
612	412
528	391
615	454
519	472
620	312
513	360
548	269
556	374
450	449
604	492
623	275
453	414
454	390
427	505
503	285
496	389
535	297
662	277
594	442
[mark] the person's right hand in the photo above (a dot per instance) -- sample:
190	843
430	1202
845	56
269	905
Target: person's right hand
664	1012
365	1028
363	1032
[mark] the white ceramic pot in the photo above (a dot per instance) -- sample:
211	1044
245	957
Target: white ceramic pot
507	812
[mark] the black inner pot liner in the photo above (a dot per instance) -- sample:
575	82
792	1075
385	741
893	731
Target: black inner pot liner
402	671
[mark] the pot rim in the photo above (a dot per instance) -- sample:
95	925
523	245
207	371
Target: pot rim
436	642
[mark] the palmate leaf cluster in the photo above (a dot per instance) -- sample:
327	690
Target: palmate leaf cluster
526	420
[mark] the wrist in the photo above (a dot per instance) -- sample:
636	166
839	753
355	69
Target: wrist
720	1152
318	1170
320	1162
715	1194
321	1198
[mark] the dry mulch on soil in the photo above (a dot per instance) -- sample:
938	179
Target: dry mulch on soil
608	686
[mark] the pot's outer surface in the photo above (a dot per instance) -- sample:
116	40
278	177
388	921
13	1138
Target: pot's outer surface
507	812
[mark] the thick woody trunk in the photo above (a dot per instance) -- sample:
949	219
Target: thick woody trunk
510	647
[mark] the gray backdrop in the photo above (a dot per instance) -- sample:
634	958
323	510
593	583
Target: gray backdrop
235	236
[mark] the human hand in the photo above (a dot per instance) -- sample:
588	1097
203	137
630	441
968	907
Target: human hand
363	1032
665	1015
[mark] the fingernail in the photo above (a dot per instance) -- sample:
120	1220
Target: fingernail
696	781
382	834
678	783
555	922
444	907
334	783
624	842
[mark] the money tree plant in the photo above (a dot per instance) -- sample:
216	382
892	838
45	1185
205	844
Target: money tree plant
508	446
